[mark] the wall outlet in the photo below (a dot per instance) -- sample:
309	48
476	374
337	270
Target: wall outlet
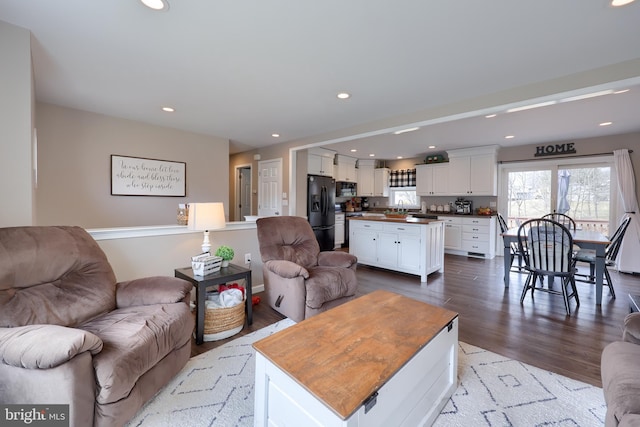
492	204
247	258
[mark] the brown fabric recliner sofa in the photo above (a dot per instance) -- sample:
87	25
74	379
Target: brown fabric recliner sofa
69	334
620	369
299	280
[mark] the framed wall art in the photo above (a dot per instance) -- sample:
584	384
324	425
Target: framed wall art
137	176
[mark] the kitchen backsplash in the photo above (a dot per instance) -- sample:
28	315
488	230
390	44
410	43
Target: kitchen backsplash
477	201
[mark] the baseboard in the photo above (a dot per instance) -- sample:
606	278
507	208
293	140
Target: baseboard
256	289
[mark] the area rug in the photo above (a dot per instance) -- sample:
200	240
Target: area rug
216	389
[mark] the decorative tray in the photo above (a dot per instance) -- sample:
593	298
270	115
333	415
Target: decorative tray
395	215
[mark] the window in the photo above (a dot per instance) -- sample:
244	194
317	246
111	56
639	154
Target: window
404	197
581	188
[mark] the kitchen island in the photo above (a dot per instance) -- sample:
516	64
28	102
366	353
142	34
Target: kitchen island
409	245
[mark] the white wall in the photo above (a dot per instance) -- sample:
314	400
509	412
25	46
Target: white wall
137	257
75	149
16	99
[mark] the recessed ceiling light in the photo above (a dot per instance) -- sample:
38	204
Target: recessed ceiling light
168	109
509	137
353	150
372	155
432	146
275	135
617	3
156	4
398	132
399	157
606	123
343	95
490	116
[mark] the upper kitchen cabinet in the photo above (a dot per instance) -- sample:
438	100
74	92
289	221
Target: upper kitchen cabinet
320	161
473	171
432	179
366	176
381	182
346	169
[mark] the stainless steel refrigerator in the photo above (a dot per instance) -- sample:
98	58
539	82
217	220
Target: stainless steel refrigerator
321	196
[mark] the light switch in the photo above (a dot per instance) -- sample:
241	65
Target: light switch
284	195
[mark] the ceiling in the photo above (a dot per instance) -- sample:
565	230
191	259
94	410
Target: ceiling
243	70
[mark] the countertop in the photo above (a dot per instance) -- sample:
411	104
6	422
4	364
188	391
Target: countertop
407	220
460	215
374	213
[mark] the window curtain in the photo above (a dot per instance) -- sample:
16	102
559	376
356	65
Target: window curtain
402	178
630	247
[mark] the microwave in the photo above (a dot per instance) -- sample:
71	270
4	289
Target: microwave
346	189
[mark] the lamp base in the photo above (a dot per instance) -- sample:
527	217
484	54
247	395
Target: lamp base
206	244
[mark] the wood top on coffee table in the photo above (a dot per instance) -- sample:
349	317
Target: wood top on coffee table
344	355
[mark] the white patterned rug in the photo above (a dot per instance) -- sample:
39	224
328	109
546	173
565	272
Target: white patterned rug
216	389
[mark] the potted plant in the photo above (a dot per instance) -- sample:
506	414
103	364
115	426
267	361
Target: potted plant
226	253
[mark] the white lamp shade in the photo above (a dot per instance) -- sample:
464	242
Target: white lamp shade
206	216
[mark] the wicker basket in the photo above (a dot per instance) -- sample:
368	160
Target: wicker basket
220	323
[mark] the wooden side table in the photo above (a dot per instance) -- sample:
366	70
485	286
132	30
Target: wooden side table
220	277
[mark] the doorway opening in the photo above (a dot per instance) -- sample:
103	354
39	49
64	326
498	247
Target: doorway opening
583	189
243	192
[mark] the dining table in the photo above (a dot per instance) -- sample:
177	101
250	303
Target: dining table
585	239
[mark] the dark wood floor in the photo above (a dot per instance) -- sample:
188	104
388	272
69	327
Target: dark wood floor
537	332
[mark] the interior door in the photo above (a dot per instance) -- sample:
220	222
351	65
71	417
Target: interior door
270	187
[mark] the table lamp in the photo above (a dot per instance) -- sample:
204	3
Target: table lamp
206	216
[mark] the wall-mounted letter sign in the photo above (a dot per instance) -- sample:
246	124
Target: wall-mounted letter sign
136	176
554	150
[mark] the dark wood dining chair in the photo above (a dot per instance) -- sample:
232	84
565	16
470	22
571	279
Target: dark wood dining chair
513	248
610	256
563	219
547	247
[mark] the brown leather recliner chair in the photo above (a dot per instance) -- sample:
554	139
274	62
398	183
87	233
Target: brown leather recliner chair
69	334
299	280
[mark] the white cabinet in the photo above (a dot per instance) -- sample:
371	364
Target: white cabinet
365	181
373	182
478	236
473	172
346	169
363	240
452	232
365	177
407	247
339	230
470	236
432	179
399	248
320	161
381	182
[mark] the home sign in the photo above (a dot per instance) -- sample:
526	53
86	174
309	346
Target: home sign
555	149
